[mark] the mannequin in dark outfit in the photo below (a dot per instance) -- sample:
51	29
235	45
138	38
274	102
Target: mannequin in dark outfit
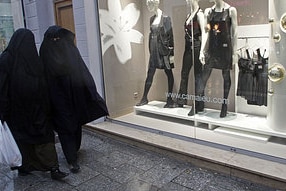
161	48
219	49
194	26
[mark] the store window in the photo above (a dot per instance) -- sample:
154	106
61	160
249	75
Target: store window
208	70
6	23
11	18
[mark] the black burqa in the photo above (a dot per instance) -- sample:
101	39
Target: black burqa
24	102
73	93
23	98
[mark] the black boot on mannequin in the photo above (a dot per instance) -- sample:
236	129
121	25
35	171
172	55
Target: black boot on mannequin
170	103
223	111
199	107
143	101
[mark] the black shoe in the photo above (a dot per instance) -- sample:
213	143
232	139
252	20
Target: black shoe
142	102
14	168
200	106
22	172
192	112
74	168
223	111
56	174
170	104
180	103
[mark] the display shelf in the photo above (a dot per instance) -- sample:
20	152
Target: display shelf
210	117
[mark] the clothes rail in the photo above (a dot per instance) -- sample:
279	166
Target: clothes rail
248	37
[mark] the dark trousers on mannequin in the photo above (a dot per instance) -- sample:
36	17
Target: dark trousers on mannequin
149	81
190	58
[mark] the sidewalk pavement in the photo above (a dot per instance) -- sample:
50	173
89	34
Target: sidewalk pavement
111	165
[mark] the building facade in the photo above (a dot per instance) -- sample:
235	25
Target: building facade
114	38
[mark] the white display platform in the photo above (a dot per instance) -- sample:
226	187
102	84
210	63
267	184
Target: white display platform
234	123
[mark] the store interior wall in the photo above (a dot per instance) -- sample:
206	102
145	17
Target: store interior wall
123	80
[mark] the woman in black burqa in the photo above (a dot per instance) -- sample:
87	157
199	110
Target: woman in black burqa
24	105
74	97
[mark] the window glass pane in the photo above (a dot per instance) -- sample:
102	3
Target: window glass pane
6	23
133	44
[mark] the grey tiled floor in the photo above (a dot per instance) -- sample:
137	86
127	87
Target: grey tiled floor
108	164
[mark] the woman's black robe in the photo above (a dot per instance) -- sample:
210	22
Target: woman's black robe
24	102
74	97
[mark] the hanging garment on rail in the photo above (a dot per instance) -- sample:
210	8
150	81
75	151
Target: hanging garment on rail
253	79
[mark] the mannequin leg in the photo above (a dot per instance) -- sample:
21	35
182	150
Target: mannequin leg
226	87
148	83
198	72
170	102
201	82
185	71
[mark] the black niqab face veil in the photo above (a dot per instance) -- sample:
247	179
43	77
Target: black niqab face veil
57	51
23	49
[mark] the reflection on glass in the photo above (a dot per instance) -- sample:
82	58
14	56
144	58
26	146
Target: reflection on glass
283	23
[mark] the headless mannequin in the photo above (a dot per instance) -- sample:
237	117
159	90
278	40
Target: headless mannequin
219	8
194	30
158	16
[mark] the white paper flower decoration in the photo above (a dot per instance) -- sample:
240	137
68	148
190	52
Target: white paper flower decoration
116	26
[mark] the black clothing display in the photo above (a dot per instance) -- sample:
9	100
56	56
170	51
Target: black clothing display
74	97
161	43
219	54
220	51
191	57
246	82
24	103
253	79
161	47
193	32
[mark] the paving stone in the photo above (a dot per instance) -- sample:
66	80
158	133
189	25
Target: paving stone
84	175
194	178
124	173
224	182
163	173
145	161
115	159
137	184
50	185
174	187
99	183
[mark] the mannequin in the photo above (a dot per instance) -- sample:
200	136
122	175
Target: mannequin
161	49
219	46
194	29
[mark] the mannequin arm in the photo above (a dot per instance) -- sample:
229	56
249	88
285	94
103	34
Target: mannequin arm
205	30
233	15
